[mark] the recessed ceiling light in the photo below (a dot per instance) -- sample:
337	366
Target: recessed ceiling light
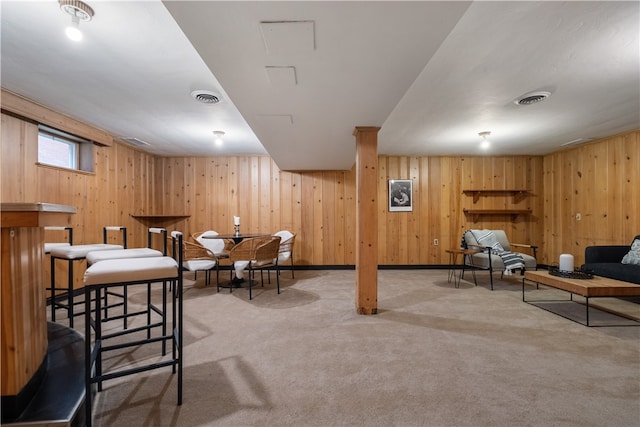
532	98
206	96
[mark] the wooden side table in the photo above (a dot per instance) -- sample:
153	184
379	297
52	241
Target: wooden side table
453	263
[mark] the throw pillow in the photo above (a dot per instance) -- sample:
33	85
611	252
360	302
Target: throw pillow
633	257
488	238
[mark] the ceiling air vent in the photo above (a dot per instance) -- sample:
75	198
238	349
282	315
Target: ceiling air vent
205	96
532	98
136	141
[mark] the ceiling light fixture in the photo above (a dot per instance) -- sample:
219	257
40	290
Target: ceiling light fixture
79	11
218	137
485	143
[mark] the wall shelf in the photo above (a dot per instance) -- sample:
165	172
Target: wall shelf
518	194
159	216
476	213
158	220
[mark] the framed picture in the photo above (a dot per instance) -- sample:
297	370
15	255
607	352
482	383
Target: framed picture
400	195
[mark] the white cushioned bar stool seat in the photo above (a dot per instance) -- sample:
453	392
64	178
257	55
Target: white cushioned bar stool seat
48	246
76	252
127	272
70	254
96	256
148	252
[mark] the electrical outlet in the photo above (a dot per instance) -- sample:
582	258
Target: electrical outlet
578	216
435	242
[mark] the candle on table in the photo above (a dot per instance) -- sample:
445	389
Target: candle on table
566	262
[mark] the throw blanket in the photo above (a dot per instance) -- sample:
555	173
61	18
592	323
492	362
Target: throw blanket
511	260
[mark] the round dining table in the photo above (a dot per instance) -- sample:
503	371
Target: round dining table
237	238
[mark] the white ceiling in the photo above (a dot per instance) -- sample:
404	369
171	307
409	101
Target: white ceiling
431	74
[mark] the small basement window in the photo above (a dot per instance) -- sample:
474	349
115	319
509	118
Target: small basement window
61	149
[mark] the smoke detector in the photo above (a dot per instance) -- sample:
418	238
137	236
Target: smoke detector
532	98
206	96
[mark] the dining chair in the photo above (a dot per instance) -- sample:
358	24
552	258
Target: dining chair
220	247
266	258
287	239
196	257
243	256
240	257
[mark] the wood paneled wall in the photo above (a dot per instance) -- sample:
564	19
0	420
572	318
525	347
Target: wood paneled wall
438	184
123	179
600	181
320	206
317	206
595	180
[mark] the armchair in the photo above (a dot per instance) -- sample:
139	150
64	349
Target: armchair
486	257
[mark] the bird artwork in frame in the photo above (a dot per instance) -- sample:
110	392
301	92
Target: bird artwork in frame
400	195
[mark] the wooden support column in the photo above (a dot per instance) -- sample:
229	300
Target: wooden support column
366	219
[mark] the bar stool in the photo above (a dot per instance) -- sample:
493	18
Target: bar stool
148	252
73	253
50	245
130	272
53	233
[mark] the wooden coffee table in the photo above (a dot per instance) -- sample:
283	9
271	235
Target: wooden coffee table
598	287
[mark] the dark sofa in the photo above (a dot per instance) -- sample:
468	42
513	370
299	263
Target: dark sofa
605	261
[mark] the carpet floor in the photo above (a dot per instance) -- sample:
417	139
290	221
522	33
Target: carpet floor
434	355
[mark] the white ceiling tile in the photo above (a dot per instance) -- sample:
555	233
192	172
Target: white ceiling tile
275	120
288	37
282	76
